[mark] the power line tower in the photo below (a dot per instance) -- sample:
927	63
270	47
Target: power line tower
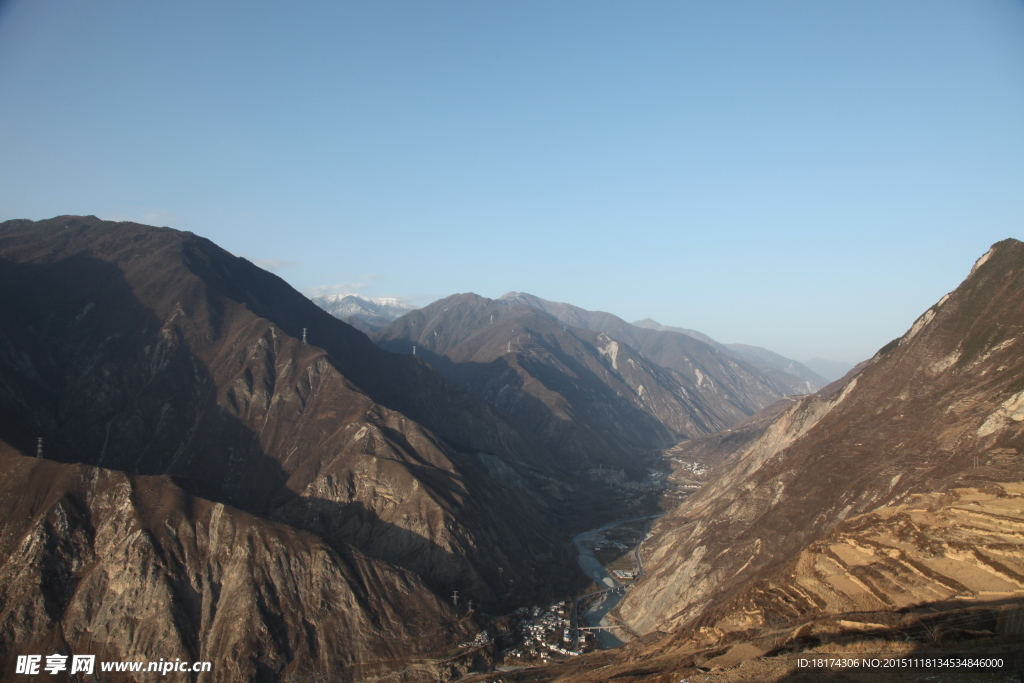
39	447
303	335
414	349
455	598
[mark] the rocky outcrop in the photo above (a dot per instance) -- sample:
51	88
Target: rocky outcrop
133	568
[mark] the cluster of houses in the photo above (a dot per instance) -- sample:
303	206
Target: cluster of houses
693	467
483	638
545	634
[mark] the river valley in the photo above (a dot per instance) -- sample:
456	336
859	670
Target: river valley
593	608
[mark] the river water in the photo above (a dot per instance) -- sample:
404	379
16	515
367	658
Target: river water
595	615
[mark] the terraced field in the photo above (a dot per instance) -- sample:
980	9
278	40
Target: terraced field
964	546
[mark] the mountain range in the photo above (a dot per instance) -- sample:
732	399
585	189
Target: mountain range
673	350
201	463
592	387
371	315
305	506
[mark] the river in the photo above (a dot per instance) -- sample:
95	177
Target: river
595	614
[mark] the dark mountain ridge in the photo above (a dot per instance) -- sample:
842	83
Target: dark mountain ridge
154	352
576	379
552	380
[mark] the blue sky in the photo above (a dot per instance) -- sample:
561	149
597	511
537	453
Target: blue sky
805	176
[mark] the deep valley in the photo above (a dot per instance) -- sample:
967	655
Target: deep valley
199	462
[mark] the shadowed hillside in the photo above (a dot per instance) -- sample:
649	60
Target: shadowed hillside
151	352
591	397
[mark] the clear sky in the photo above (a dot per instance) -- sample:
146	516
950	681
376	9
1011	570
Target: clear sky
805	176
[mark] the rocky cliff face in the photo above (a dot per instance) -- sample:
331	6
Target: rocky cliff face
898	486
132	567
152	352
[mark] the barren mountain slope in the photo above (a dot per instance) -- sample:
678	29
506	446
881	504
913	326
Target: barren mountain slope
919	452
749	384
155	352
588	396
557	384
93	561
788	371
780	367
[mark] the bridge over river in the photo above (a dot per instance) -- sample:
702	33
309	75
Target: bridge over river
601	602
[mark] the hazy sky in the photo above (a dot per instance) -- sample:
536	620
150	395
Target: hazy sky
806	176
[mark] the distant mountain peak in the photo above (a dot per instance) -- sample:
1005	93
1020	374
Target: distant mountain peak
650	324
518	298
379	300
786	376
364	312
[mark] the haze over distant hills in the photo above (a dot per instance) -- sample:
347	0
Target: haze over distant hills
759	356
830	369
663	345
